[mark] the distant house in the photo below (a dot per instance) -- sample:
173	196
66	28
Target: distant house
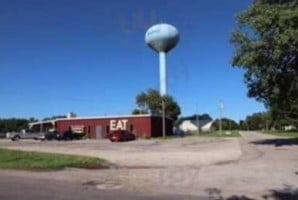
290	128
192	125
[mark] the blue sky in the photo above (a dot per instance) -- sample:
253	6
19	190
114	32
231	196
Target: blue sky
89	57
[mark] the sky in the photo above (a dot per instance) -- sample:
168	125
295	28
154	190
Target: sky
89	57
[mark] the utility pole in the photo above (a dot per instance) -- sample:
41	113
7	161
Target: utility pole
163	118
221	107
197	120
41	126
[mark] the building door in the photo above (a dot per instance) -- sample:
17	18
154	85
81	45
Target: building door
99	132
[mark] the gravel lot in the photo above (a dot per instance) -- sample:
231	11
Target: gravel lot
142	153
255	166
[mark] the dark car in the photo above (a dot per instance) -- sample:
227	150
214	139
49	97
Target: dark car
70	135
179	133
121	135
53	135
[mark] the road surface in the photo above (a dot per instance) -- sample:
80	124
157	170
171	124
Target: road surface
268	165
17	188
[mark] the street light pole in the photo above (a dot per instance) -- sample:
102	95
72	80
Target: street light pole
197	120
221	107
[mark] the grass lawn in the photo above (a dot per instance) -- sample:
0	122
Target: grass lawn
223	134
280	133
210	134
13	159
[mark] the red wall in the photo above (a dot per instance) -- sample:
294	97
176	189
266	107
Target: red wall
140	126
147	126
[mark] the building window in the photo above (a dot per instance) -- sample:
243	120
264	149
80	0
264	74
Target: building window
89	129
108	129
131	127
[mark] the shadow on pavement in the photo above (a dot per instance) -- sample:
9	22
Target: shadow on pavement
287	193
215	194
277	142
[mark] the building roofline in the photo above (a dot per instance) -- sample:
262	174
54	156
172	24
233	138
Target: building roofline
42	122
94	117
105	117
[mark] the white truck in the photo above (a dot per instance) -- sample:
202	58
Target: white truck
26	134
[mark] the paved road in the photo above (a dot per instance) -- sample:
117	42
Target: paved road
16	188
252	136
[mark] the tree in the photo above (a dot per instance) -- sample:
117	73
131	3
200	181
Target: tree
266	43
54	117
227	124
203	116
12	124
243	125
139	112
263	121
32	119
151	102
256	121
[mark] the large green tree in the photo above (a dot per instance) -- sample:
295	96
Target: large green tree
258	121
263	121
204	116
266	43
227	124
13	124
151	102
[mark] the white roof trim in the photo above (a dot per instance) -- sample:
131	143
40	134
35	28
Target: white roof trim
94	117
42	122
105	117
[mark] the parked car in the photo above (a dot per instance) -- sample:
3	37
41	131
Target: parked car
70	135
26	134
53	135
179	132
121	135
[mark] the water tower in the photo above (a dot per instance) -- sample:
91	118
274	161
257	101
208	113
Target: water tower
162	38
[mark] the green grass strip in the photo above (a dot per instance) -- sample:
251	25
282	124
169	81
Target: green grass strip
14	159
194	134
224	133
282	134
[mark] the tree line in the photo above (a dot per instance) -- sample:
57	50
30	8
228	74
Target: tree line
13	124
265	121
149	102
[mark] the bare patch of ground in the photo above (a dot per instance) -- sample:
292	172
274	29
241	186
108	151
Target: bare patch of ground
143	153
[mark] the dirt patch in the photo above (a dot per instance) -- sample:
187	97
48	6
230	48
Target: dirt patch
144	153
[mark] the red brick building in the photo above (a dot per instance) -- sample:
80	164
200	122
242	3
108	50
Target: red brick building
99	127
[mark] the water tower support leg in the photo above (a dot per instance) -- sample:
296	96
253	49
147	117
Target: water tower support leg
163	73
163	88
